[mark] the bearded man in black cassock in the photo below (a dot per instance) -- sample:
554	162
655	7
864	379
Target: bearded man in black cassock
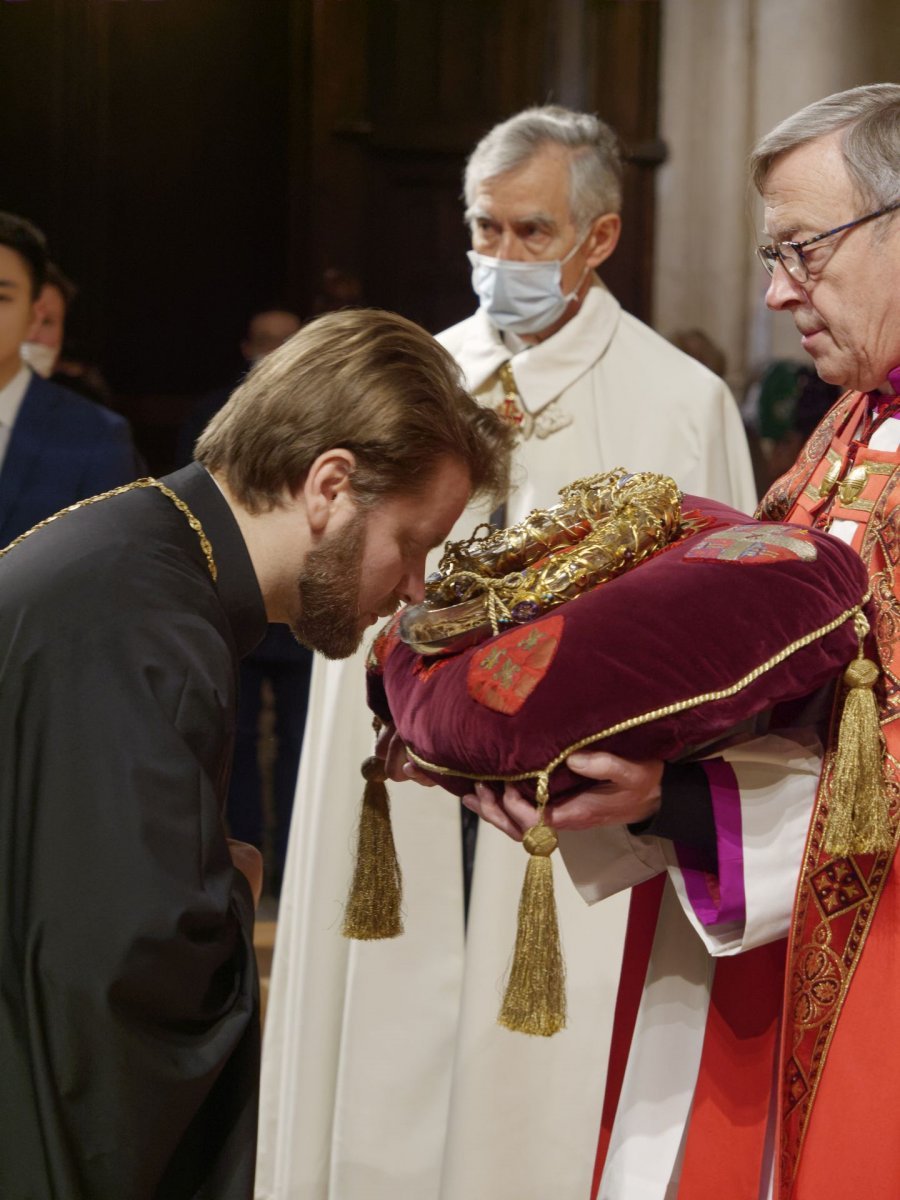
129	1032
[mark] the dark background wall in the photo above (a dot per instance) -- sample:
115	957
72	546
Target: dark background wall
193	160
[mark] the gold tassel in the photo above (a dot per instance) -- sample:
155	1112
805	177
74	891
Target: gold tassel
373	904
857	820
535	998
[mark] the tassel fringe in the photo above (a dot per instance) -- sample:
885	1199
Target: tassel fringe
374	901
858	821
535	998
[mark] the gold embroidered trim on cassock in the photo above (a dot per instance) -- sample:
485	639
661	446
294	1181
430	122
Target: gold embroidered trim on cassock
785	491
856	883
837	897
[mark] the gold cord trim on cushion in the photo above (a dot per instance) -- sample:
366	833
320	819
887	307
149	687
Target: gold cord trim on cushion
667	710
535	1000
146	482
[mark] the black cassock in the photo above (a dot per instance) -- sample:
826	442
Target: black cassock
129	1027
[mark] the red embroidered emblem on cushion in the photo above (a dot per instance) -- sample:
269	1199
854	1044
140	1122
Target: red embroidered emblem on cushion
754	544
510	667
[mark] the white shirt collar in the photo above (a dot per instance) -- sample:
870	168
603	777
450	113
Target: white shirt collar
12	395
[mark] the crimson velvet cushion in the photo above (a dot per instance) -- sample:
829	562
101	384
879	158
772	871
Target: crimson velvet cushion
728	620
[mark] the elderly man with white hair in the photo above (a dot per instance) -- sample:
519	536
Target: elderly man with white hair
385	1073
758	1059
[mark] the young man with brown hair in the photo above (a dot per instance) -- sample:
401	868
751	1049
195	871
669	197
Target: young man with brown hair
129	1012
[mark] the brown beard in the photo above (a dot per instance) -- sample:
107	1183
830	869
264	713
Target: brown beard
328	588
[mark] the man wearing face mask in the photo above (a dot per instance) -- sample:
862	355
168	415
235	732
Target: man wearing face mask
589	388
44	346
404	1085
588	385
49	351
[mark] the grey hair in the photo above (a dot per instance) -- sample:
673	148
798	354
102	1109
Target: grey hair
870	115
595	179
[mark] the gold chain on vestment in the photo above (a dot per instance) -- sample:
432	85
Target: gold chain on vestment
146	482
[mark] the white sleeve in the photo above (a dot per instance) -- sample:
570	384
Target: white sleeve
608	859
776	777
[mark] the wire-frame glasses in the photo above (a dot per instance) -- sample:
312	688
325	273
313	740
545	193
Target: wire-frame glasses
790	254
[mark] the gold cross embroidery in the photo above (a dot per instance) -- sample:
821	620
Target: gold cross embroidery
511	408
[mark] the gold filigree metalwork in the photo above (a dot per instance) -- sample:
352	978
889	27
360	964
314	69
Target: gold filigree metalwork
604	525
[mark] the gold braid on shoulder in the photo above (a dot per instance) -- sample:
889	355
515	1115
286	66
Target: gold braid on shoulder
147	481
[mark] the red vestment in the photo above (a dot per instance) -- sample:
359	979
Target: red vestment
828	992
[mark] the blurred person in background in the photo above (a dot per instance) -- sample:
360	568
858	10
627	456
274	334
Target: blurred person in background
785	404
700	346
51	351
338	289
56	447
266	331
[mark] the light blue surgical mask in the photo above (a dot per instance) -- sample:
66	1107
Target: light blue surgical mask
522	297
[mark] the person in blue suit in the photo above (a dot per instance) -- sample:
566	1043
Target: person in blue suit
55	447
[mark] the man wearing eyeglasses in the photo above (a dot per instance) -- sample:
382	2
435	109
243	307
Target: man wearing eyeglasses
830	181
800	991
826	281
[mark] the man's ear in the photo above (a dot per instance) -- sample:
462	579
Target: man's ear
602	238
327	489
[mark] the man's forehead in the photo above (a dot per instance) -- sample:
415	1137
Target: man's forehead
52	300
429	513
808	188
521	213
540	182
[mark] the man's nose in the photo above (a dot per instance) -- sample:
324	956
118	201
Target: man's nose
783	289
412	589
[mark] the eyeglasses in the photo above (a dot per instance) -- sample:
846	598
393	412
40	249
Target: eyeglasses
790	254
